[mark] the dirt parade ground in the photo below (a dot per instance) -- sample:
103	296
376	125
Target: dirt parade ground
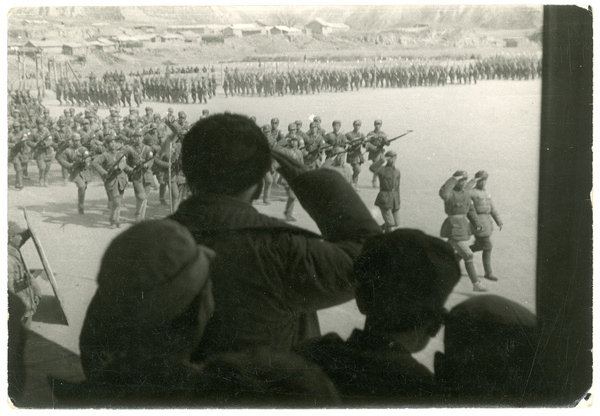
491	125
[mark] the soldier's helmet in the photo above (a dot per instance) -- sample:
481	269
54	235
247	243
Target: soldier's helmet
66	112
313	124
378	122
149	109
105	121
16	124
317	119
482	174
39	122
390	153
138	133
298	123
76	137
292	127
182	114
339	123
357	123
85	121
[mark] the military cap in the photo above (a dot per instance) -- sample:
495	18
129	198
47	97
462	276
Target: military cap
405	278
148	109
482	174
292	126
151	127
460	174
60	122
182	114
274	120
298	122
46	111
170	110
39	121
390	153
150	274
66	111
205	111
378	121
157	116
336	122
317	118
76	137
85	121
266	128
357	123
105	121
16	124
132	110
112	136
14	229
489	348
138	133
313	124
87	111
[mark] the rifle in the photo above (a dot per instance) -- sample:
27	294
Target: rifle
79	165
175	129
140	165
391	140
114	170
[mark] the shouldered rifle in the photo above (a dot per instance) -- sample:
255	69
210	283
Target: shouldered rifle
114	170
391	140
175	129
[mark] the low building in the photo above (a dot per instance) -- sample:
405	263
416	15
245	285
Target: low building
170	37
74	48
285	30
244	29
213	39
46	46
189	35
321	27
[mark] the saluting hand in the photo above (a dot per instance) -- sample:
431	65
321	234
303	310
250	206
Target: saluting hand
288	166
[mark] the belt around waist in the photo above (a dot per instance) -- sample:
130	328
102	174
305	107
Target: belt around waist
457	216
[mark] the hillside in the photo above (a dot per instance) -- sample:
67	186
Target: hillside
367	18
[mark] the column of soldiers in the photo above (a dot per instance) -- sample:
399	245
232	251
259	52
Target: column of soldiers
132	149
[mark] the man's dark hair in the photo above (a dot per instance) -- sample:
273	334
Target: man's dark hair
224	154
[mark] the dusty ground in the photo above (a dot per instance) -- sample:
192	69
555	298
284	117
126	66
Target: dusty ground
493	125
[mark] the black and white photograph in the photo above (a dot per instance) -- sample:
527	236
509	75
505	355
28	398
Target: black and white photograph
303	206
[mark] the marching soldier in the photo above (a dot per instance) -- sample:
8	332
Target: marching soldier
20	154
43	153
275	135
76	159
113	169
356	142
335	140
461	214
376	141
388	198
141	174
486	212
312	147
291	149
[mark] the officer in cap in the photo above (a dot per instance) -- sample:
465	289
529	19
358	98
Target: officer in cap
487	215
456	194
182	121
317	119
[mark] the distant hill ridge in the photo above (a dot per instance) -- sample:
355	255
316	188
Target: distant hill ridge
363	18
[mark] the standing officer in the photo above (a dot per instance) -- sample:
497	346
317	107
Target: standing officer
376	141
482	201
291	149
77	160
456	228
356	142
113	169
388	198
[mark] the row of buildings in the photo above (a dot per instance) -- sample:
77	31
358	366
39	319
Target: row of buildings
182	33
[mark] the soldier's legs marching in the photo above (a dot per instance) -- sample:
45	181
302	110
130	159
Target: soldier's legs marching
18	175
65	175
141	199
464	251
81	197
289	205
355	174
484	244
24	167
